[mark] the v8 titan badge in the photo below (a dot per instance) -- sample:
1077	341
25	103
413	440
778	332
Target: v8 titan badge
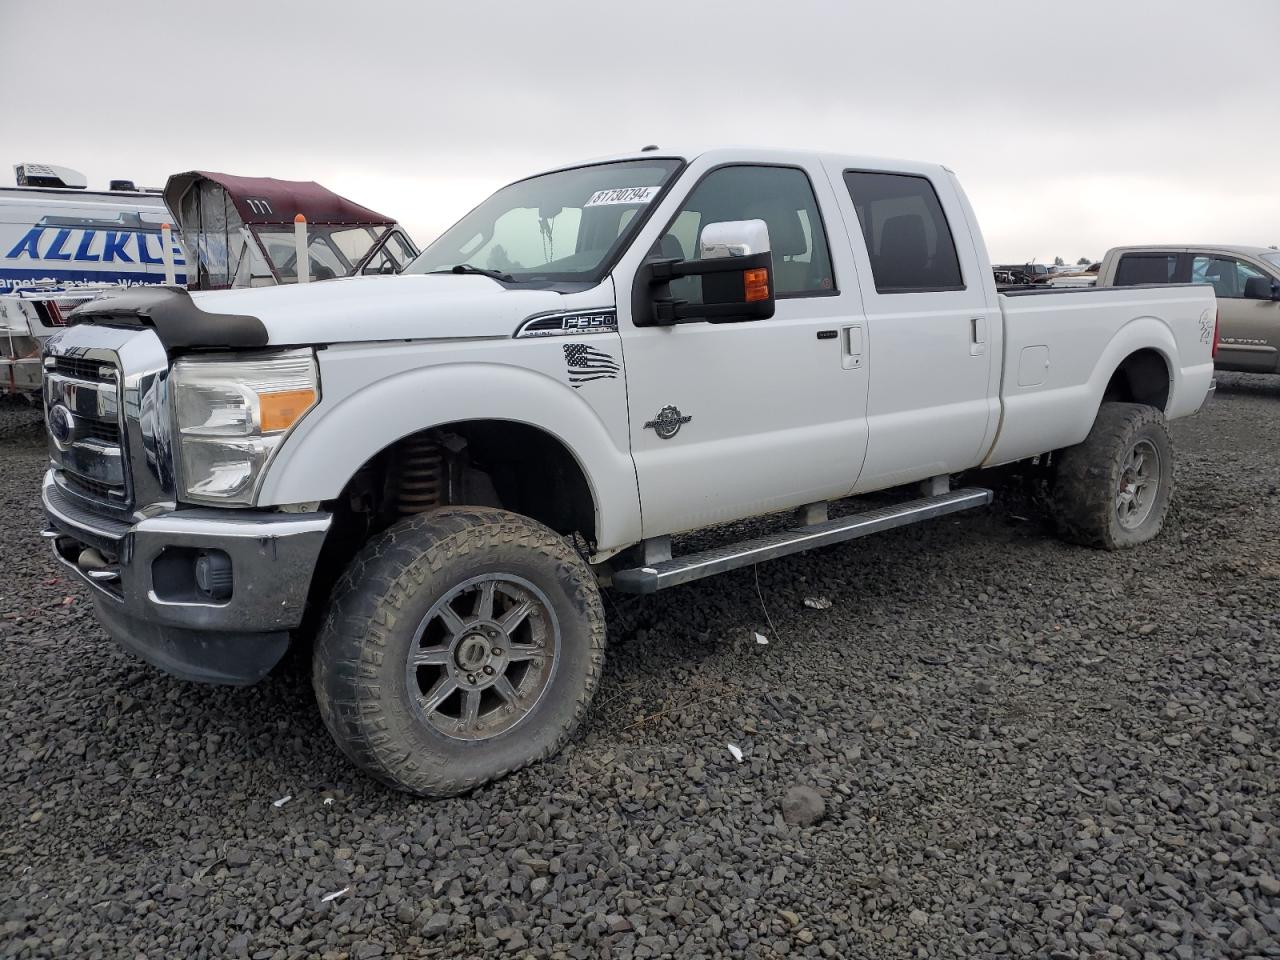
668	422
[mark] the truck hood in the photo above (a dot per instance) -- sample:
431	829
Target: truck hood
412	307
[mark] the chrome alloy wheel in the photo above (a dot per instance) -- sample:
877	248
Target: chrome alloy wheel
1139	484
483	656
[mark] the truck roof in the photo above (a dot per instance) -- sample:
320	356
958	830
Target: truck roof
1239	248
740	154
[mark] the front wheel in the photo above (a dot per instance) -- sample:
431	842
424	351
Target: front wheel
1113	489
461	644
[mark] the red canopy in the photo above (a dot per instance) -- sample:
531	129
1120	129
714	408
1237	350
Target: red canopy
266	200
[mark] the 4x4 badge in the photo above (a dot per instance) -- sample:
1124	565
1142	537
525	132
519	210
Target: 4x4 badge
668	422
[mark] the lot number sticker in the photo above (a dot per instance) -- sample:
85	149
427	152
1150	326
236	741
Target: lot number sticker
603	198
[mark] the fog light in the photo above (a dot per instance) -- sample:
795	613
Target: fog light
213	574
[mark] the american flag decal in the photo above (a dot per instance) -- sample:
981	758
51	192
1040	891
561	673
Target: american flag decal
587	363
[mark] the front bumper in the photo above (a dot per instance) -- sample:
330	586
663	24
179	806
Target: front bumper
147	597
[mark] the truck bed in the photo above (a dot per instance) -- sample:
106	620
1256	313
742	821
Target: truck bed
1062	346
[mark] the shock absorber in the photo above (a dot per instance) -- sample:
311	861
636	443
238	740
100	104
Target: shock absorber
423	475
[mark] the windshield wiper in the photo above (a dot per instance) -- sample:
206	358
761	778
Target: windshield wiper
468	268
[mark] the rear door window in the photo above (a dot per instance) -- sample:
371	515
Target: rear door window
907	235
1136	268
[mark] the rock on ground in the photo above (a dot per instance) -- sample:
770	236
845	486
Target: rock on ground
803	806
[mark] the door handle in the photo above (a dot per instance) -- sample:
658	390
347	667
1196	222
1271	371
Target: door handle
851	347
977	336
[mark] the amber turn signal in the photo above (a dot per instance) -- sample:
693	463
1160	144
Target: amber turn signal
283	409
756	284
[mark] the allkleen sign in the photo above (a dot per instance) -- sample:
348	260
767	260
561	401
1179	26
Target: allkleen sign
85	244
84	250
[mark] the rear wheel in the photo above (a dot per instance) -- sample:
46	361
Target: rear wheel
461	644
1113	490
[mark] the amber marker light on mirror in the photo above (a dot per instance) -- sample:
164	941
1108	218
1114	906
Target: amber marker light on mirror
756	284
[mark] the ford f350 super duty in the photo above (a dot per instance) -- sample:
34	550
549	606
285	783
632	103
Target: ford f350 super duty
430	477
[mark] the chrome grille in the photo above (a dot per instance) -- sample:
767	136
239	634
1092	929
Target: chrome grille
81	368
82	412
113	382
92	489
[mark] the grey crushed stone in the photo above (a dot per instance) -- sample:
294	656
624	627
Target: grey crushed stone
1024	749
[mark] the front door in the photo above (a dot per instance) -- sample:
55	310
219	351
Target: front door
731	420
1248	328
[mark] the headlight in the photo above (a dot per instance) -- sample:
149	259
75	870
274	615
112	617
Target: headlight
233	414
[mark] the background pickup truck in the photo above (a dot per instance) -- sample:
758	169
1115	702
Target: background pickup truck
436	472
1246	281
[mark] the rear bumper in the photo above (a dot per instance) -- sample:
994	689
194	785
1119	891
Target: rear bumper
148	598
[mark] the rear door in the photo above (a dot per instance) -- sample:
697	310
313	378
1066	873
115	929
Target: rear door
933	324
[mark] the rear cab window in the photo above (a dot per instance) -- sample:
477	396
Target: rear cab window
907	235
1136	268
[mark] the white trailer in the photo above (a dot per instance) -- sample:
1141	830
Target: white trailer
62	244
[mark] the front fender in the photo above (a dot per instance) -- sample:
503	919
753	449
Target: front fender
358	419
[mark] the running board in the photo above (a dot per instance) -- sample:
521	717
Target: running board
695	566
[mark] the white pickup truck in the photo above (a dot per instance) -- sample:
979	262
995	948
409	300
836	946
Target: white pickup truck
435	473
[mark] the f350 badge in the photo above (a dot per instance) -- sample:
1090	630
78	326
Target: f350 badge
668	422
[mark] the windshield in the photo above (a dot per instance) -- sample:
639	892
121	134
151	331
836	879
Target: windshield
559	226
334	251
1272	258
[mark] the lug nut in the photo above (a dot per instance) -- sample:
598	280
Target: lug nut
497	651
489	671
471	678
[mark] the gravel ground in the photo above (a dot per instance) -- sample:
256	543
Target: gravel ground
1022	748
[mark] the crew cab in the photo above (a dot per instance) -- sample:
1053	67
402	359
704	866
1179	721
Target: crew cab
431	477
1246	281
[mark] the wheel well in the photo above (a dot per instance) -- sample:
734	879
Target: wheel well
1143	377
531	472
492	463
495	463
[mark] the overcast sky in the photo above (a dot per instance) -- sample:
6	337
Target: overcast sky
1074	127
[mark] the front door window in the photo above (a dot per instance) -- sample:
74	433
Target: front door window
780	196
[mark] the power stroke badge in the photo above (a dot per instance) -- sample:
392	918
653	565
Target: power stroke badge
668	422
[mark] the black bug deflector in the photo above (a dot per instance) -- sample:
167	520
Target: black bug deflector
176	319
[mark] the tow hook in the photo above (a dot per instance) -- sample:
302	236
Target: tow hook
95	565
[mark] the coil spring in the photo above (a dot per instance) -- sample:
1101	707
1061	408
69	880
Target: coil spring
423	476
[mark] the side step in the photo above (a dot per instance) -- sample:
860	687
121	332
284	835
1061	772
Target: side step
695	566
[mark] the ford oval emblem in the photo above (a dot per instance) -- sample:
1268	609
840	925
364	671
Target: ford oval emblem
62	424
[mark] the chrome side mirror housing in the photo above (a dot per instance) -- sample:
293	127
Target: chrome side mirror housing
733	238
